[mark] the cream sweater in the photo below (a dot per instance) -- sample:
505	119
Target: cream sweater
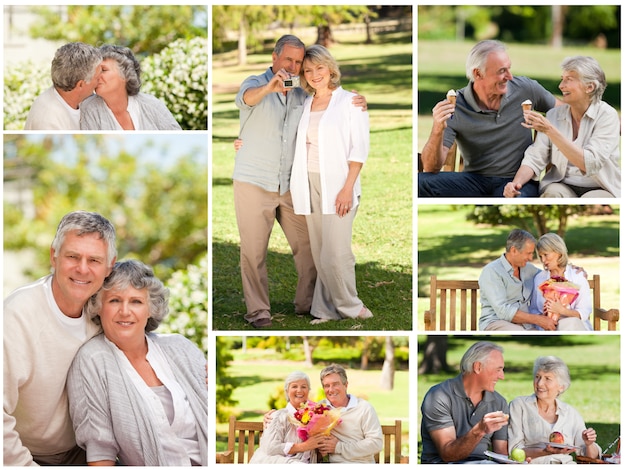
38	353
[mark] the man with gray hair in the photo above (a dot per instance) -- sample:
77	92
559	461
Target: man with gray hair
506	288
486	124
75	70
44	326
464	416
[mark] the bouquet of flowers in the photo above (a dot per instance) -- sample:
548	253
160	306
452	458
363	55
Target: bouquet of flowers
559	289
315	418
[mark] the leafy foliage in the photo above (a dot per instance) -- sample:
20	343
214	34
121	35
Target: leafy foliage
145	29
178	75
22	84
189	304
224	383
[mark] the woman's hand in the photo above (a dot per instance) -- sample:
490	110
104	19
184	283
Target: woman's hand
589	436
536	121
512	189
343	203
238	143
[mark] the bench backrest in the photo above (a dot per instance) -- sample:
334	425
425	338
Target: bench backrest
244	438
454	306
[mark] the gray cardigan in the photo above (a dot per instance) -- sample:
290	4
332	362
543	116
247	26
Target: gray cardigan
107	409
94	115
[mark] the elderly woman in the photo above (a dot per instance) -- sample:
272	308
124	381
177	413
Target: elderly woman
580	140
533	419
280	443
572	316
118	104
138	398
331	148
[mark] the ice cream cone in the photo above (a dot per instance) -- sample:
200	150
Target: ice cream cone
527	105
451	95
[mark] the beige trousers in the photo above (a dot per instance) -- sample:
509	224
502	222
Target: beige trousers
256	210
331	244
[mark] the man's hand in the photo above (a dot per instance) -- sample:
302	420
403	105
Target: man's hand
546	322
267	418
512	189
441	113
493	422
329	443
237	143
359	101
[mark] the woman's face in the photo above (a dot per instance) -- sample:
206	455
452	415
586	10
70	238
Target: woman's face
316	75
298	392
547	386
574	91
124	314
110	81
549	259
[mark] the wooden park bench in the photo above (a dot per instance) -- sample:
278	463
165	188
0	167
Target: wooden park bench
244	438
454	306
453	161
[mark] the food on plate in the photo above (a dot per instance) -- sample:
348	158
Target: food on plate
557	438
518	454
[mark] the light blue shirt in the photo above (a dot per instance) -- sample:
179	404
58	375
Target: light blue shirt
501	293
268	131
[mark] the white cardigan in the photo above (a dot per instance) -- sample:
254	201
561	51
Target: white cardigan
343	138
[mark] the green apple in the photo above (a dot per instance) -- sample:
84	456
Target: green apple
518	455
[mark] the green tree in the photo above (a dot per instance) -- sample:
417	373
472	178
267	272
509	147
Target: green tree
541	218
159	210
145	29
224	383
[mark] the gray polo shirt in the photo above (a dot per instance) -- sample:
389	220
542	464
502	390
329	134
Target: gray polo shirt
501	293
268	131
492	143
446	404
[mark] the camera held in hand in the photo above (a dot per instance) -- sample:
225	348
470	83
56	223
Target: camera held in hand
292	82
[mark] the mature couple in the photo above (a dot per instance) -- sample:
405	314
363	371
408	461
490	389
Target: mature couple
513	290
577	142
356	439
111	72
86	380
299	155
464	416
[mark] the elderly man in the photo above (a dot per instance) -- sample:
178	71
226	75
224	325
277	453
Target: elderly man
506	288
44	326
486	124
359	437
464	416
74	72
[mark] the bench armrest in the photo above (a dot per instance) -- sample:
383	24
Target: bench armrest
228	456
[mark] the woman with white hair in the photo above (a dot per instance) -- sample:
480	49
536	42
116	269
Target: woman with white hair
280	442
572	316
578	142
536	418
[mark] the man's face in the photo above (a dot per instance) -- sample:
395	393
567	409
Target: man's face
289	59
519	258
497	73
80	267
336	392
91	85
491	371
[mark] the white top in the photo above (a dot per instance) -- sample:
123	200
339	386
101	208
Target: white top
343	138
179	439
50	111
312	142
77	327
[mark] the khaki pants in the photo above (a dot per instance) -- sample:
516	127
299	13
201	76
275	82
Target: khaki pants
331	243
256	211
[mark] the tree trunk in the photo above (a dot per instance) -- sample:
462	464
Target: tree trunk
324	36
389	366
435	356
243	54
557	27
308	352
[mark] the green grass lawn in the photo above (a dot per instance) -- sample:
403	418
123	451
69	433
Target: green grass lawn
453	248
593	361
382	236
263	372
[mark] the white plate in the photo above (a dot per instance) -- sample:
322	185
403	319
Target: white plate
543	445
501	458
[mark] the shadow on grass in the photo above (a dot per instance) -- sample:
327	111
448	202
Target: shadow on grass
387	291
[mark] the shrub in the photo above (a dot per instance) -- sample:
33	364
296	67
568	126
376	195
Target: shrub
189	303
178	75
22	84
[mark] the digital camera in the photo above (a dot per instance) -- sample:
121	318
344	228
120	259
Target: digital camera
292	82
